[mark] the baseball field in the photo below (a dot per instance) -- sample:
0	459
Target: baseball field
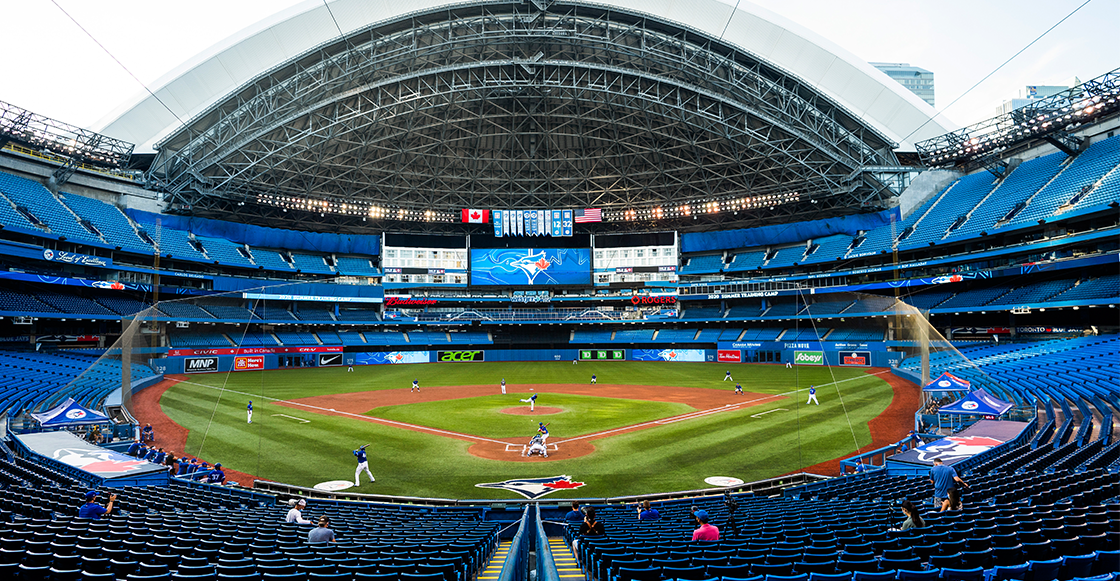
643	427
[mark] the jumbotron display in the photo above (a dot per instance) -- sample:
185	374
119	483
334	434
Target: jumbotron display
530	267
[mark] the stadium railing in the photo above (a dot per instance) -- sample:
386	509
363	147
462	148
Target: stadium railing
546	565
516	567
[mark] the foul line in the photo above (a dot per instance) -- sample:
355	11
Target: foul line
596	435
292	418
413	427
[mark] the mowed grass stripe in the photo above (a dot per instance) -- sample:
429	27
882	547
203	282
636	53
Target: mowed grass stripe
483	416
660	458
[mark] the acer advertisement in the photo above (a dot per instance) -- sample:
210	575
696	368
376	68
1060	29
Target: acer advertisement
521	267
248	363
727	356
445	356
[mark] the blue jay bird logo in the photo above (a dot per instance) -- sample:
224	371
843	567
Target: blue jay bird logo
532	265
532	488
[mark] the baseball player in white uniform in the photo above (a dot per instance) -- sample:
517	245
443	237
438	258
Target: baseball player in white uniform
503	386
532	401
727	377
363	464
415	385
812	396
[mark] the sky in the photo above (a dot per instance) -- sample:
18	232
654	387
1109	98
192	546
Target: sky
53	68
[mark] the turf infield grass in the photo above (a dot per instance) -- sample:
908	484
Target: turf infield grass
670	457
482	416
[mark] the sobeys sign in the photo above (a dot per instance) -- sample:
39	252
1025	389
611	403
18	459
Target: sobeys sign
808	357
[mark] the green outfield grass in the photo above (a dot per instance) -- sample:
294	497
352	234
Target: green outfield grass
482	416
669	457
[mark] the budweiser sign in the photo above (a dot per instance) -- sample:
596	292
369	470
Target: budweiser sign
408	302
667	300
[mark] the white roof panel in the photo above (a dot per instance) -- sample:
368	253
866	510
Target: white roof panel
207	78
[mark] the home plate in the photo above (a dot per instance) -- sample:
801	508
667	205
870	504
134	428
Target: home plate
334	485
720	481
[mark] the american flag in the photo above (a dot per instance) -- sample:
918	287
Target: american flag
589	215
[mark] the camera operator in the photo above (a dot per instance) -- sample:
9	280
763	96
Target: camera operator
731	505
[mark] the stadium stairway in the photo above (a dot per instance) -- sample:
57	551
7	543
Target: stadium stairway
566	566
493	567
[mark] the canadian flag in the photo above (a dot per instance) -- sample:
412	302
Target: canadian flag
476	216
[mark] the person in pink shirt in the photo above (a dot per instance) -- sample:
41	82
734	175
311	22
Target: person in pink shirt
706	532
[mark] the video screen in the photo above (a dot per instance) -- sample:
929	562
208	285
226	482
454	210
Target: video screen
530	267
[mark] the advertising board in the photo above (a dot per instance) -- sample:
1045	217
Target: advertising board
602	354
248	363
808	357
729	356
667	355
530	266
330	359
200	364
855	358
452	356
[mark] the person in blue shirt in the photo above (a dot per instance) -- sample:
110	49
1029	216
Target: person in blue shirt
943	478
738	389
415	385
646	512
574	515
727	377
532	401
94	511
151	455
363	464
184	463
134	448
593	378
148	434
160	456
542	431
250	410
216	476
812	396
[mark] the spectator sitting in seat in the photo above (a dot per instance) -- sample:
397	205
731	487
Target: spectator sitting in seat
148	434
590	527
574	515
296	514
705	532
913	516
321	534
94	511
646	512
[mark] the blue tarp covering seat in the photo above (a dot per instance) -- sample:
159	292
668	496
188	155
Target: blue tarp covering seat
69	413
977	403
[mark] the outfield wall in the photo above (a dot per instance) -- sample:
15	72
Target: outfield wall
187	361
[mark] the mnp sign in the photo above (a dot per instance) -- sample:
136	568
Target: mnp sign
460	356
808	357
200	364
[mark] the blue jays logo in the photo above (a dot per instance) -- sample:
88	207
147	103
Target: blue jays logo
533	488
956	448
532	265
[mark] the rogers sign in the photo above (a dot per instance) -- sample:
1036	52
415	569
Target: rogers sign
405	301
637	300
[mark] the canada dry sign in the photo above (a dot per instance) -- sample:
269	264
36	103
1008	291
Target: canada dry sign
461	356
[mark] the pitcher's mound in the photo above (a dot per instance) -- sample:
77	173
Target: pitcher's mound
524	411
